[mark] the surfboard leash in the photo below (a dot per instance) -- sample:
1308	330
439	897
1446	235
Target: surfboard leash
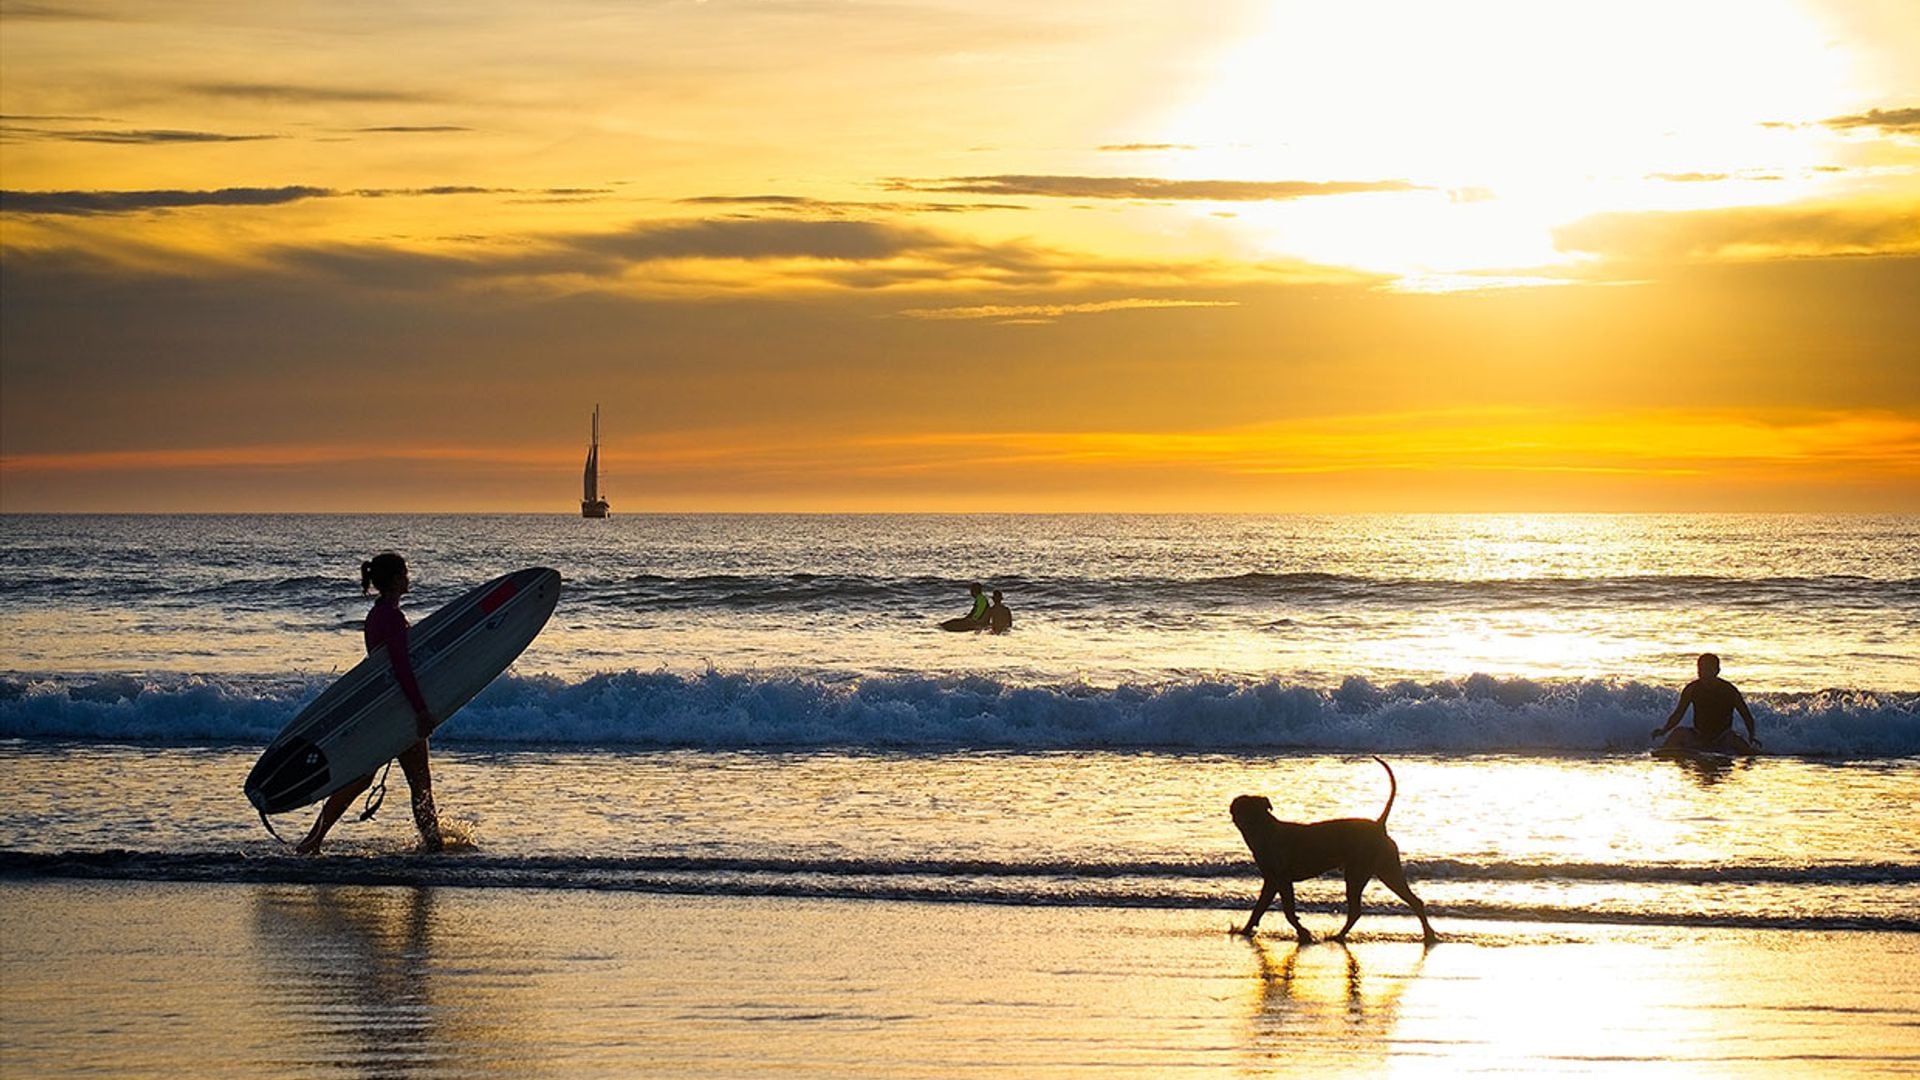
271	831
376	794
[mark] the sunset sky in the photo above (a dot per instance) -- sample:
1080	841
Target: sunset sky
811	255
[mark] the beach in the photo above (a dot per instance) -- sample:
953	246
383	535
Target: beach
144	978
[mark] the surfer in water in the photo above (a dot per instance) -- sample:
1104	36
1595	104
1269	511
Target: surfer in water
977	616
387	572
999	619
1714	701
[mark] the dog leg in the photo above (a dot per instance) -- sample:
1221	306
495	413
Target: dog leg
1260	907
1286	908
1357	879
1395	878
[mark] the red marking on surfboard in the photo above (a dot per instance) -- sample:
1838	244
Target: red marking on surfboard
491	602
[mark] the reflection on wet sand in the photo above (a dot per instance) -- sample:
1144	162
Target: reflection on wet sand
1318	998
355	971
1706	771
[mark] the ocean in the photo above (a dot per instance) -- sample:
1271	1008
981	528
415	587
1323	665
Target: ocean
757	718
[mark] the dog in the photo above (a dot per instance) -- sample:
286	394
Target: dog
1288	852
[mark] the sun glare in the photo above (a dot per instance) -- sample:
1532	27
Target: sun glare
1512	117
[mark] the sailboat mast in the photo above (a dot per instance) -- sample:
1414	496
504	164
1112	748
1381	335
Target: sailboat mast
591	504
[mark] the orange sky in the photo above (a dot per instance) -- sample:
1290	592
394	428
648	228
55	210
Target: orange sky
1468	255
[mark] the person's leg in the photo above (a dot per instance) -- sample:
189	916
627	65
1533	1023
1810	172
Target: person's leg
413	762
335	805
1683	738
1730	743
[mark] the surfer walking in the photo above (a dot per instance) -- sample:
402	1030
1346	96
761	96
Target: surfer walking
1714	700
387	625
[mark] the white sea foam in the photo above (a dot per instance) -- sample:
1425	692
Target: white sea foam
732	710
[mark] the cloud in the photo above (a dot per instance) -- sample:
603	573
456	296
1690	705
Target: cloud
127	138
827	206
834	253
126	202
1147	187
757	200
1042	313
444	189
51	13
411	129
1138	147
298	94
15	118
760	239
131	202
700	257
728	256
1744	233
1690	177
1904	121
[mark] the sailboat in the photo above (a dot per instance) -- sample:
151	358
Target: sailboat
591	504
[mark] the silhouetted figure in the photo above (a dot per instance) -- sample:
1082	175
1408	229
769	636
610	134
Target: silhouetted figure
999	619
978	615
387	572
1714	701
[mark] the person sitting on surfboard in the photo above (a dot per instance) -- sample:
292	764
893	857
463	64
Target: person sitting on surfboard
978	616
999	619
1714	701
387	572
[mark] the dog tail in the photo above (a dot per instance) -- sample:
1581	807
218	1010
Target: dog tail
1393	788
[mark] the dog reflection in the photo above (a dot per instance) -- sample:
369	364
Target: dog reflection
1321	993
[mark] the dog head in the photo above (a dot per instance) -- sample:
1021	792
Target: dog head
1250	808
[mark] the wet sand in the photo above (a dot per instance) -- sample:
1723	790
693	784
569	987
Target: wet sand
150	978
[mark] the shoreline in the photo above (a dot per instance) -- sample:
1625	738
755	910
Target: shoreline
656	876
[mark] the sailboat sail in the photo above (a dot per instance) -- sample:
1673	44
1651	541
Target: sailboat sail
591	504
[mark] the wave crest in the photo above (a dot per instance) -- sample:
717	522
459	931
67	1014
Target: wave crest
736	710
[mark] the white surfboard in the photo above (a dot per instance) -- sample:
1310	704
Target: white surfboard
364	720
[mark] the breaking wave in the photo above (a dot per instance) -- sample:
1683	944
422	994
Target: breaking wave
723	710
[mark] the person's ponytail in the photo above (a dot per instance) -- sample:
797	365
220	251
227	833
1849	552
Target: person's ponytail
380	570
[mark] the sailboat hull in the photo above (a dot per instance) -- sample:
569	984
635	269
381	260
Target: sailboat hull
594	509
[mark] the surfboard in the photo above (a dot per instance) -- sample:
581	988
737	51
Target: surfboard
363	720
1682	753
962	623
1709	755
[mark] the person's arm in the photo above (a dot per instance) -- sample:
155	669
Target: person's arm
1680	710
393	633
1740	702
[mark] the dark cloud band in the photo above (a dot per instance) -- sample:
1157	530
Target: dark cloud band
127	202
128	138
133	202
1900	120
1148	187
293	93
